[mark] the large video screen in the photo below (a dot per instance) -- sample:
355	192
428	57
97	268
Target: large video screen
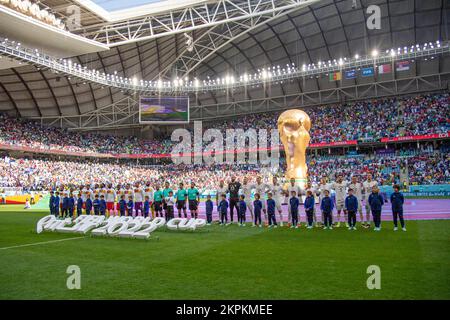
164	109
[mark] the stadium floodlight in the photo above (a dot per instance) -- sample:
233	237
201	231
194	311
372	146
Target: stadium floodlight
264	74
271	73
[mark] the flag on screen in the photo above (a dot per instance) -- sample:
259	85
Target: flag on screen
335	76
402	66
367	72
385	68
350	74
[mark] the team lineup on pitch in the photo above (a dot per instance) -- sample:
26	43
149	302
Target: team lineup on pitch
150	202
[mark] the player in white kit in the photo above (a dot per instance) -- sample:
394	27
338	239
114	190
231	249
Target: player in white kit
367	190
340	188
292	186
110	198
246	190
357	188
277	195
148	192
220	190
138	199
87	191
310	187
261	189
102	191
323	185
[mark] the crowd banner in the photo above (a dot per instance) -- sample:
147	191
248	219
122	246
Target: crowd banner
418	137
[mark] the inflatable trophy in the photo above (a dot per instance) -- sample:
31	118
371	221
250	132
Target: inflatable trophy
293	127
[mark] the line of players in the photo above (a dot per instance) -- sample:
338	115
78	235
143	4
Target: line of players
137	200
124	200
361	191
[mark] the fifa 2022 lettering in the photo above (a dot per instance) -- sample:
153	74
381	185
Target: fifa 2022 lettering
125	226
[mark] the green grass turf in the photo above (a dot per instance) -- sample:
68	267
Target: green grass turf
226	263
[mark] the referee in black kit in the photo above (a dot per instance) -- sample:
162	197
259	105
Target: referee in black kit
233	189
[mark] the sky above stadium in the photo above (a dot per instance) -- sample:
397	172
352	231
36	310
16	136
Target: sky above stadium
113	5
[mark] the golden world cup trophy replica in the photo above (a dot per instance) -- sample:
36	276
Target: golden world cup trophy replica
293	127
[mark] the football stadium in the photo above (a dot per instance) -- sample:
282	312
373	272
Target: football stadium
224	150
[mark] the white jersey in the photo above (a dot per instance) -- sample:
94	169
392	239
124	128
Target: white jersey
321	190
357	189
296	188
221	191
85	193
110	195
246	190
102	192
277	191
340	189
128	193
138	194
170	201
148	192
77	193
261	189
313	191
97	191
367	187
120	193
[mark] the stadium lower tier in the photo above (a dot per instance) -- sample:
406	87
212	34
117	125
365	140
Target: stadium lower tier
426	168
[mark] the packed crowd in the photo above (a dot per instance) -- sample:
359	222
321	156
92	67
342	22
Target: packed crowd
421	169
363	120
37	174
367	120
20	132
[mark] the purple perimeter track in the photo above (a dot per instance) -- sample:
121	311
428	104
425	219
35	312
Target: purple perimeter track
413	209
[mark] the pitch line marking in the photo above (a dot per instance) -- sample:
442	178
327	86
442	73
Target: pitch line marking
38	243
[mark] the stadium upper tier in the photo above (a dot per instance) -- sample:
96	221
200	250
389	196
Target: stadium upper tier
367	121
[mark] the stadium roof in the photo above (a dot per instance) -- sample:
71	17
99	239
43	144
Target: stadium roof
116	10
324	30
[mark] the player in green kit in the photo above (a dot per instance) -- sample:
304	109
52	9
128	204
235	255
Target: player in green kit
194	199
166	192
158	196
181	195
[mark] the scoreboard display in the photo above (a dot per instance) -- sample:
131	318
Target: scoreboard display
164	110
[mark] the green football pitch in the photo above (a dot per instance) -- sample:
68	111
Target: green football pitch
225	262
